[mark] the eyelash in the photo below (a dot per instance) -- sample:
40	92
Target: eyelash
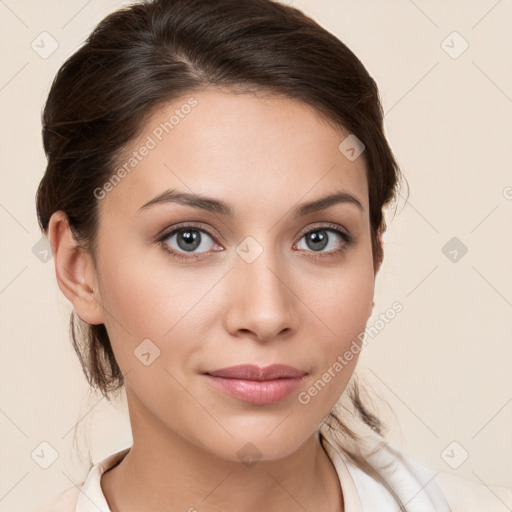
347	239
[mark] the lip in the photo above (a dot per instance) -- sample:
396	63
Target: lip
253	372
256	385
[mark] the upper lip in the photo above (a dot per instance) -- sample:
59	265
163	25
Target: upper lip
253	372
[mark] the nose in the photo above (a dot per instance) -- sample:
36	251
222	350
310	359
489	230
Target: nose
261	299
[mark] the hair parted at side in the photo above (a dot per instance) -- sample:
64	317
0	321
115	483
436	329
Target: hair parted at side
155	52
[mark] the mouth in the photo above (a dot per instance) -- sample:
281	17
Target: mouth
253	372
256	385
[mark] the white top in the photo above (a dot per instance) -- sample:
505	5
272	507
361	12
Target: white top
419	488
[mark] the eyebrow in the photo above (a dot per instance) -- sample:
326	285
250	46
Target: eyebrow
216	206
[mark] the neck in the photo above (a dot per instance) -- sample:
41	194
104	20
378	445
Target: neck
164	471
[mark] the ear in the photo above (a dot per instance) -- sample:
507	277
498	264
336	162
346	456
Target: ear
74	269
378	261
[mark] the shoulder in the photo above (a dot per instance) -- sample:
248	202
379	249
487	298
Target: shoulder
384	466
65	501
78	498
467	496
460	494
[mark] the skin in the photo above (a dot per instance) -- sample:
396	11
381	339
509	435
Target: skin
263	155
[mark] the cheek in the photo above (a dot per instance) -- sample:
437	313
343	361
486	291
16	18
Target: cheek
342	312
344	301
147	298
335	356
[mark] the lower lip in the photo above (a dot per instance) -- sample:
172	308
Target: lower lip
255	391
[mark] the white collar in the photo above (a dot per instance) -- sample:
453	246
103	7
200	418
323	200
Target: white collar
413	483
91	498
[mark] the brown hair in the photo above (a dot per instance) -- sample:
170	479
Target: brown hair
154	52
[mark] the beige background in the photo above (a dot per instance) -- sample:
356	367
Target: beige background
443	364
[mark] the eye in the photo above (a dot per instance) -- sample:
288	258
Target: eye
185	240
326	237
188	242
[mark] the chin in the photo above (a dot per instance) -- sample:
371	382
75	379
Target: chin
258	444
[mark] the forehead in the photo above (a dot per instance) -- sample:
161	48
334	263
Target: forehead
250	150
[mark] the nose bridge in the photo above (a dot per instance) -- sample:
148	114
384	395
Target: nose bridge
262	275
262	302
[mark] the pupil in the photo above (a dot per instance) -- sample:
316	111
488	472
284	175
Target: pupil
189	240
318	240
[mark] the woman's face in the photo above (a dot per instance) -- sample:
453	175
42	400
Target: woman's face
273	283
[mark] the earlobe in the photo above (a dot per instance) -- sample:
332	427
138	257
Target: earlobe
74	270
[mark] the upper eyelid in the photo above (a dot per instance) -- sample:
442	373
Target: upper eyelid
172	231
325	225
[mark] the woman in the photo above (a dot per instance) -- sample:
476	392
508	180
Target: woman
217	173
